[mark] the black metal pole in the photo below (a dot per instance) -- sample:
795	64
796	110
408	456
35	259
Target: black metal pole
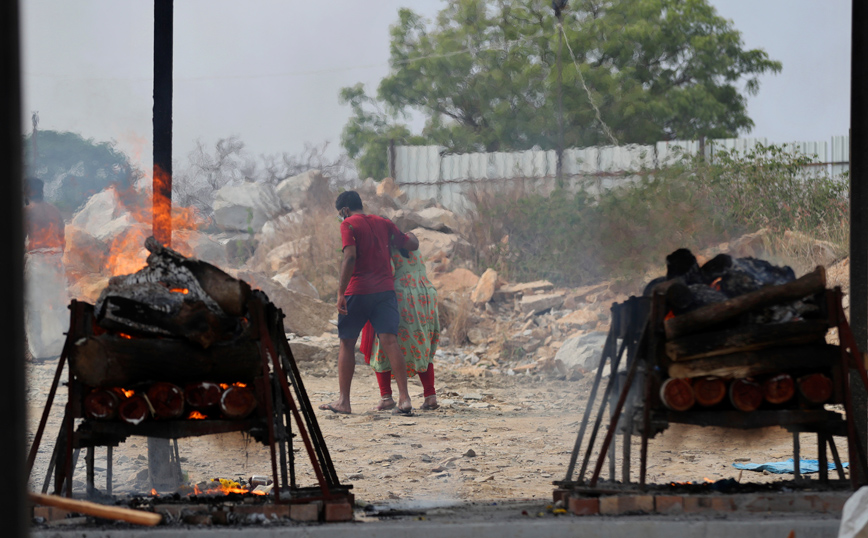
159	451
560	153
12	450
162	181
859	202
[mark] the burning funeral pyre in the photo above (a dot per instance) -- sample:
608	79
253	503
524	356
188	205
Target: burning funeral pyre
736	343
180	349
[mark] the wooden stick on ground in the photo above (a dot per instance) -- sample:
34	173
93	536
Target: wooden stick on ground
116	513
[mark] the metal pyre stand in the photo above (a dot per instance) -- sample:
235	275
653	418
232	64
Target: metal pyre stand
631	402
279	391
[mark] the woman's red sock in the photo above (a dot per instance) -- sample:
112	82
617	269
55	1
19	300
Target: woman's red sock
427	379
384	379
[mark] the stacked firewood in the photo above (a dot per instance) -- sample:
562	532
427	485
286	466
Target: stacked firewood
743	334
166	401
171	341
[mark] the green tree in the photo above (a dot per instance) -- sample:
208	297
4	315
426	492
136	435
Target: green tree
74	168
484	75
367	136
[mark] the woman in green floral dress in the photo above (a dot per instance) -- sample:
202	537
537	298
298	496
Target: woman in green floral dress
418	333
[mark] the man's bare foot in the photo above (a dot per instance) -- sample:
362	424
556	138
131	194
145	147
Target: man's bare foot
335	407
386	403
430	403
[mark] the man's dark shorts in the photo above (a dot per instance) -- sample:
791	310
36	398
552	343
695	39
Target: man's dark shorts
381	309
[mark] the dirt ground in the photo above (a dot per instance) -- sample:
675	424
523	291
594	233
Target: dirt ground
494	438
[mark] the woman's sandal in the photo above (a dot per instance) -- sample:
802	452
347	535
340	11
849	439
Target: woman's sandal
429	407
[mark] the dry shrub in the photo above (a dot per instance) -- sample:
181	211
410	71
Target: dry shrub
455	315
803	253
319	261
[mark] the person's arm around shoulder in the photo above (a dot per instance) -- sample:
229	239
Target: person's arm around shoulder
412	242
403	240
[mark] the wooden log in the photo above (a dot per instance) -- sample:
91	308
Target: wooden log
108	360
101	404
757	363
134	409
779	388
230	294
815	388
710	315
677	394
167	400
709	391
115	513
678	296
746	338
202	395
745	394
158	311
237	402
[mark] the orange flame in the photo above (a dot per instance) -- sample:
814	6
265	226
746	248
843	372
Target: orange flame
195	415
223	487
225	386
183	291
669	316
128	393
125	335
127	253
716	283
154	493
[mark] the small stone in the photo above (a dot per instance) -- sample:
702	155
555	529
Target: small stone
470	454
472	396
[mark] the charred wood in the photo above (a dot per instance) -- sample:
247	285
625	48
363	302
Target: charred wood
153	310
229	293
107	360
746	338
174	295
710	315
237	402
167	400
202	395
134	409
101	404
757	363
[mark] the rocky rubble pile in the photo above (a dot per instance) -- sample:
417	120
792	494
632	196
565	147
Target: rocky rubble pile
284	239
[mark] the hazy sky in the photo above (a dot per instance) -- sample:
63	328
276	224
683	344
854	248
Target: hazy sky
269	71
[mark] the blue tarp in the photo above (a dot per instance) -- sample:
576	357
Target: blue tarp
788	466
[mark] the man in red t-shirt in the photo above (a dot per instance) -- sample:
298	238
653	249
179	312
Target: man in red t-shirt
367	293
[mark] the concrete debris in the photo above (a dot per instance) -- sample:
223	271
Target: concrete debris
300	191
293	280
537	303
584	351
246	207
484	290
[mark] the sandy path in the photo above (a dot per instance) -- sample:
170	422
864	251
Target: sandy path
520	428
